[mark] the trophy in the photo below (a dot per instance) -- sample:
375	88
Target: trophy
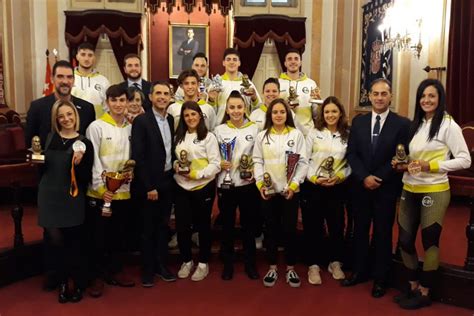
114	180
183	163
268	185
216	83
315	96
291	162
400	158
36	155
245	167
292	97
227	148
245	90
326	168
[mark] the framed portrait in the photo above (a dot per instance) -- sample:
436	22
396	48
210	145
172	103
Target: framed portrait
186	40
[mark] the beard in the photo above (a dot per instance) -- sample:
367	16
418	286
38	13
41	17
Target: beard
134	76
63	90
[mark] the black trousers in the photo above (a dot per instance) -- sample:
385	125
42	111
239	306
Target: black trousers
106	237
247	199
375	207
280	211
319	205
156	216
63	249
194	207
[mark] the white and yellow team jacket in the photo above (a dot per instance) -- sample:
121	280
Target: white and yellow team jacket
205	161
208	112
92	88
228	86
244	140
111	150
303	86
437	152
322	144
269	155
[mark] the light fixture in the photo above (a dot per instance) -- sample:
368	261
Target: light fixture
401	27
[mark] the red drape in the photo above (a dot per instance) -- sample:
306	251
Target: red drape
460	76
123	30
252	32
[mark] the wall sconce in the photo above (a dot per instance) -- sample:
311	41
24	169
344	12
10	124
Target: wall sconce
399	27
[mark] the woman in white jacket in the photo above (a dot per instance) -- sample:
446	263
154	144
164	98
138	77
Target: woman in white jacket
236	184
196	169
322	197
280	166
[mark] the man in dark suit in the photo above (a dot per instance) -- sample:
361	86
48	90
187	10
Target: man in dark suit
132	65
372	143
38	118
152	149
189	47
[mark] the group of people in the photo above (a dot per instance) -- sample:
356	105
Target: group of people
266	157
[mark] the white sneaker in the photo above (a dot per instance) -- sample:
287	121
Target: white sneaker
259	242
270	278
335	269
195	238
313	275
292	278
173	243
201	272
185	269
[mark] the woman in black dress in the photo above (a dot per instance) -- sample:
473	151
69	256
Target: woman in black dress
65	175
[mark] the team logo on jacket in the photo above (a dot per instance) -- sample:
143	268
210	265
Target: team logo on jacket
291	143
305	90
249	138
196	141
427	201
98	87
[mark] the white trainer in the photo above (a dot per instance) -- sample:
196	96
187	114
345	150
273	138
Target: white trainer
185	270
335	269
314	277
201	272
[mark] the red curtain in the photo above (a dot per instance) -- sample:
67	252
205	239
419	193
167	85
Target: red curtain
123	30
252	32
460	76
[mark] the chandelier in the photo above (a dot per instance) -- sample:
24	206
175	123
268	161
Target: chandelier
401	28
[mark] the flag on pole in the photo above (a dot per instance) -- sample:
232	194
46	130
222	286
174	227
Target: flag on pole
48	85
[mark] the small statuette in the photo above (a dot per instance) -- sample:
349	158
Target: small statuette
400	158
268	185
36	155
246	86
245	167
183	163
326	168
293	97
315	96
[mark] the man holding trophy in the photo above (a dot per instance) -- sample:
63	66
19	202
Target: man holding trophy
305	90
280	165
110	136
236	136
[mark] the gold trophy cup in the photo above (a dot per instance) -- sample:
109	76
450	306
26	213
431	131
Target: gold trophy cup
113	181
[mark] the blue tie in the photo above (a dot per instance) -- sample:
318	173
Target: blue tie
376	133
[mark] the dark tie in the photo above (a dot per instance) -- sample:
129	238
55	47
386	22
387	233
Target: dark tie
376	133
136	85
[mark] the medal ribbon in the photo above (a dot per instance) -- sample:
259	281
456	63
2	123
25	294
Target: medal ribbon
73	189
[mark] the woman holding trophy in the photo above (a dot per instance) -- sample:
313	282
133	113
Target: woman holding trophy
236	188
324	188
61	198
280	165
196	168
436	147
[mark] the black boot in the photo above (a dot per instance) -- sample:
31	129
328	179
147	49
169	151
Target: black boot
77	295
63	296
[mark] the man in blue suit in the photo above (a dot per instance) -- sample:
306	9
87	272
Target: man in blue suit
153	186
376	187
